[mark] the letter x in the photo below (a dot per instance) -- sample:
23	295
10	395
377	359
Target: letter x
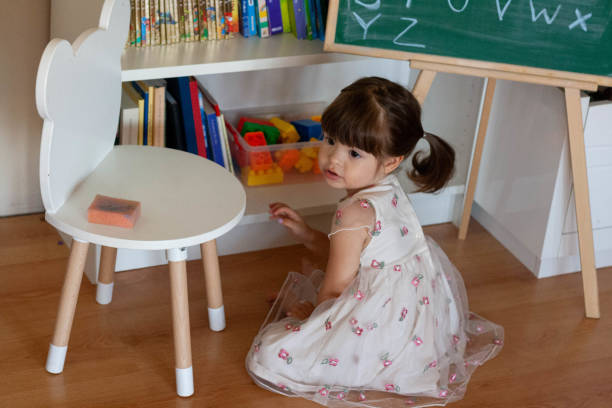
581	20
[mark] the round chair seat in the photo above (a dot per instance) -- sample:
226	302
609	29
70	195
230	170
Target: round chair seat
185	199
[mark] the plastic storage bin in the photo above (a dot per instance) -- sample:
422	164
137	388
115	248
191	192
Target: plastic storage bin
276	163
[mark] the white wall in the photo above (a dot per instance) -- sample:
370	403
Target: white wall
24	30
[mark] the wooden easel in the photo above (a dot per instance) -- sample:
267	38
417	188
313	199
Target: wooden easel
571	82
572	87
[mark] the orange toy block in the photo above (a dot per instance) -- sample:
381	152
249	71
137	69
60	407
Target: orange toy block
287	159
258	160
316	118
113	211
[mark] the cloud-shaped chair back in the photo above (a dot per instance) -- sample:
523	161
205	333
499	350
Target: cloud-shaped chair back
78	94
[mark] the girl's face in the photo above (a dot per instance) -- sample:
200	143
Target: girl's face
348	167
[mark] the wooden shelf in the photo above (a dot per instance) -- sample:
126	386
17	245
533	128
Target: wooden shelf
221	56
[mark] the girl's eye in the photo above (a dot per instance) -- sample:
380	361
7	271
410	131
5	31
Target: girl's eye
354	154
330	141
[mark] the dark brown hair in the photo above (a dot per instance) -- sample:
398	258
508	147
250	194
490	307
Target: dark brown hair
384	119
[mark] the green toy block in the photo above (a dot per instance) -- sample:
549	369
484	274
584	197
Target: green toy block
271	133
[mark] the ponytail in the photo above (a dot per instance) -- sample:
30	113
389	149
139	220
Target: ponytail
431	173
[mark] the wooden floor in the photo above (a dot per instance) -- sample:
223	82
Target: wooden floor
121	355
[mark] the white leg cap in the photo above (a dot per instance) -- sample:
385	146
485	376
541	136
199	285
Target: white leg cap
56	358
184	381
216	318
104	293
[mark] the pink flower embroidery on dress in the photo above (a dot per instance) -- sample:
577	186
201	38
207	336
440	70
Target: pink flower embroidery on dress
282	386
397	268
283	354
256	347
362	396
404	231
394	200
455	339
358	295
425	300
433	364
377	264
288	326
338	217
296	328
324	391
358	330
387	363
328	324
403	314
418	258
452	378
341	395
364	204
333	362
389	387
353	321
416	281
443	393
378	227
417	340
498	342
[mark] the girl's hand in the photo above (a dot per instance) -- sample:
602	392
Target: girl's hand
292	221
300	310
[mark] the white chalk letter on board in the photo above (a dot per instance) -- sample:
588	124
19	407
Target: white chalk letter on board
456	10
372	6
581	20
502	11
408	3
544	12
365	25
396	41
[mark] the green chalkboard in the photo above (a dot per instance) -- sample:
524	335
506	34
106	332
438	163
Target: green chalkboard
562	35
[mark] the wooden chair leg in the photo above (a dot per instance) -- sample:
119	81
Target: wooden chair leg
67	306
180	321
104	290
583	208
475	167
422	85
214	295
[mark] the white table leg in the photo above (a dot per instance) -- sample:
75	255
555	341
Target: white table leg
180	321
214	295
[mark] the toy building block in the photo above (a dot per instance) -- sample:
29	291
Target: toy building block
307	129
312	152
286	159
271	133
252	177
113	211
304	163
258	160
245	119
288	133
316	118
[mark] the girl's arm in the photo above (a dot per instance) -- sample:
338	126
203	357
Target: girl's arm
315	240
343	264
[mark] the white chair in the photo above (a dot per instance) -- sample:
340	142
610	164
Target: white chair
186	200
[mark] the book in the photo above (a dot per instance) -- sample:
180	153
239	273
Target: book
139	100
179	88
204	121
159	111
244	19
212	125
150	102
298	18
252	16
235	19
211	17
175	135
319	18
145	125
197	117
275	19
261	13
227	156
284	5
308	15
128	119
203	20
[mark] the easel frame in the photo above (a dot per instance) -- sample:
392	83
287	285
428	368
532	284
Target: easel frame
571	82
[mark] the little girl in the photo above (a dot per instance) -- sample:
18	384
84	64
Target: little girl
388	323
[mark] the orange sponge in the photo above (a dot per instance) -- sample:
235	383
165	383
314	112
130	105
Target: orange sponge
113	211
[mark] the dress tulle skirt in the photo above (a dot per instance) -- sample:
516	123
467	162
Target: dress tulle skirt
398	336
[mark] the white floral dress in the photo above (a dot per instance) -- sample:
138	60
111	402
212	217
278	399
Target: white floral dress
401	333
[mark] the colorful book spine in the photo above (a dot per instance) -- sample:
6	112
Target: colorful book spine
275	18
284	4
180	86
263	28
252	16
202	13
143	93
299	19
235	18
320	20
197	117
244	19
307	14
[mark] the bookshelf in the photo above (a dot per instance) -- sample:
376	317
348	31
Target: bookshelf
223	56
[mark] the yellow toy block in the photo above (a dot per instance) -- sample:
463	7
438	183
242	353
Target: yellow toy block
304	164
312	152
316	118
287	130
273	175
